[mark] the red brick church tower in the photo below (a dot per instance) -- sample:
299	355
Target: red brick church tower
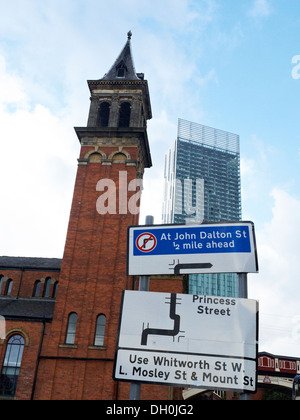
114	153
62	315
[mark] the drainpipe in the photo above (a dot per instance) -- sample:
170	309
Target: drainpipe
38	361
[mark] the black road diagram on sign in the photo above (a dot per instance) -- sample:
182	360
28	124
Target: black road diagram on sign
178	267
188	341
165	332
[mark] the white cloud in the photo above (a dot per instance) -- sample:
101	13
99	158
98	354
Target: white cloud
247	166
152	203
261	8
37	172
48	96
277	285
11	88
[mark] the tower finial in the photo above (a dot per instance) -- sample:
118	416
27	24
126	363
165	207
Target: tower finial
123	67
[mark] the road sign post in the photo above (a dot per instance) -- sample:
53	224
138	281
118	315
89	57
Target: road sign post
243	293
135	388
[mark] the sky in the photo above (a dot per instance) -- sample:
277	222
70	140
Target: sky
230	64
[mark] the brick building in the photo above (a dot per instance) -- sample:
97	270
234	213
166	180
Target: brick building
62	316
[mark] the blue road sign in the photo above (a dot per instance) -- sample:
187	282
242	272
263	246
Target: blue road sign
211	248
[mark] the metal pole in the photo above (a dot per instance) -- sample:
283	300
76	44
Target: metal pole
135	392
149	220
243	285
144	283
243	293
135	388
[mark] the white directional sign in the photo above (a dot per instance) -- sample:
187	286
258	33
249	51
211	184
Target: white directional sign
190	341
188	249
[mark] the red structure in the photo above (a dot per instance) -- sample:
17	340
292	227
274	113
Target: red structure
62	315
270	364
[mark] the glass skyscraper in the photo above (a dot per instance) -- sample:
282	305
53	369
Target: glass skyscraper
202	185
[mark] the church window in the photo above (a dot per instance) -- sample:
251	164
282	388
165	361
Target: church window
47	286
95	158
8	287
71	328
11	365
36	289
119	158
121	70
54	291
124	116
103	114
1	283
100	330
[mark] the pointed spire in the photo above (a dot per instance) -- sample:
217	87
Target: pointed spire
123	67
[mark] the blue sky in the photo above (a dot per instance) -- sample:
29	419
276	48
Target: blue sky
222	63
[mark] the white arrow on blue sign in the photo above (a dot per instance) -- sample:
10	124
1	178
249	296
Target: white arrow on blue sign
190	249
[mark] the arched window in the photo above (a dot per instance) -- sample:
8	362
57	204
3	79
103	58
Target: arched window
1	283
54	291
36	289
100	330
47	286
121	70
124	116
11	365
95	158
119	158
103	114
8	287
71	328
